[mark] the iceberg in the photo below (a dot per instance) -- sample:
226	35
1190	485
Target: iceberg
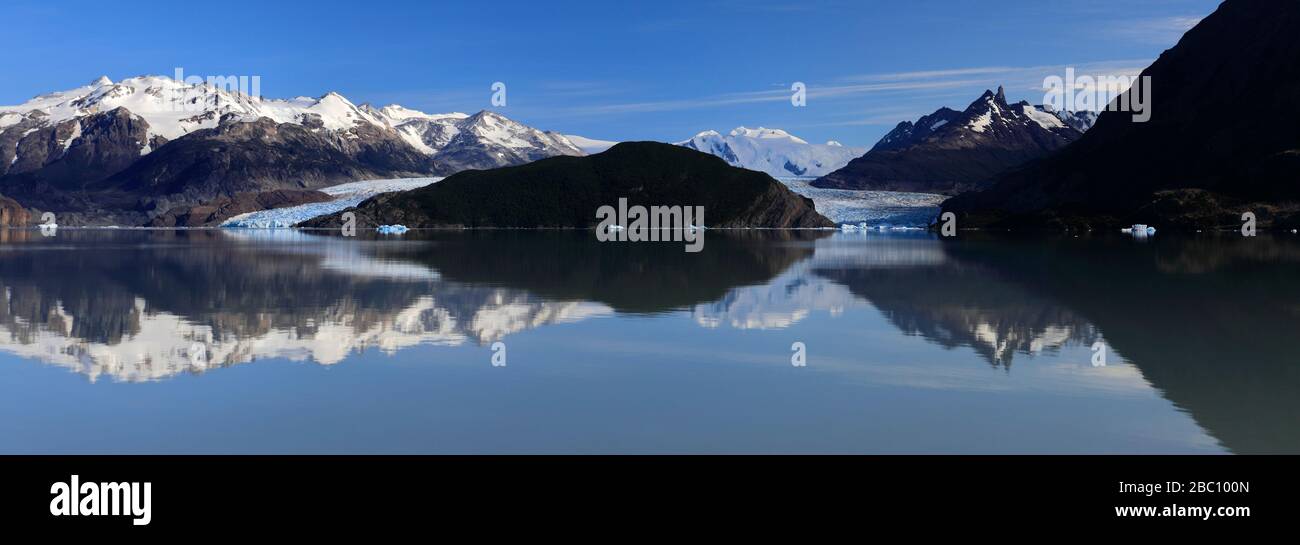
392	229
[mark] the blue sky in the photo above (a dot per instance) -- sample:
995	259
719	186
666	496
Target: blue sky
661	70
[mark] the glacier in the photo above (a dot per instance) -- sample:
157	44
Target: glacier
892	209
346	196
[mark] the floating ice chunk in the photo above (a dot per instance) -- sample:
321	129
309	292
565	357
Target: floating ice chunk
616	228
392	229
1140	230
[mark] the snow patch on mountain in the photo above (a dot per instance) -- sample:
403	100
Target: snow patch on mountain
1080	121
1044	119
590	146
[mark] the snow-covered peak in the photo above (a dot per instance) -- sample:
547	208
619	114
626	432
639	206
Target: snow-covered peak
992	114
763	132
773	151
102	81
834	144
986	111
488	127
337	112
989	116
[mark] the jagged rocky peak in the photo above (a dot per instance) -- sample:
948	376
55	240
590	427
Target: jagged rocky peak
950	151
908	133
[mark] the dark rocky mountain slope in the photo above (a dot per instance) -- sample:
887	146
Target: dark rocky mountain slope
262	155
212	213
1223	138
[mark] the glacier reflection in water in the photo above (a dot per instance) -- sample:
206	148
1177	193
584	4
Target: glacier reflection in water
915	344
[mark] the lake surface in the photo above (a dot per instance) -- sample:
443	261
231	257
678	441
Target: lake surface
140	341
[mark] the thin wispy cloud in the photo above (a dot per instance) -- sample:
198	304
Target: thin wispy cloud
1026	78
1158	30
754	97
580	88
1009	76
932	74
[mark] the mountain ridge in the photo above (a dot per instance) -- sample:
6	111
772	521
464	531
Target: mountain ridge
949	152
122	152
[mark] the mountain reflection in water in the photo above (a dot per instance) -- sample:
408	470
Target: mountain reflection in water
1209	323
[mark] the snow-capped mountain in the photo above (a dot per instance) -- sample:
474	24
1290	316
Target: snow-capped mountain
173	109
425	132
773	151
458	141
950	152
57	150
490	140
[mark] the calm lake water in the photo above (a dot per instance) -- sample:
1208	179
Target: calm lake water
291	342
